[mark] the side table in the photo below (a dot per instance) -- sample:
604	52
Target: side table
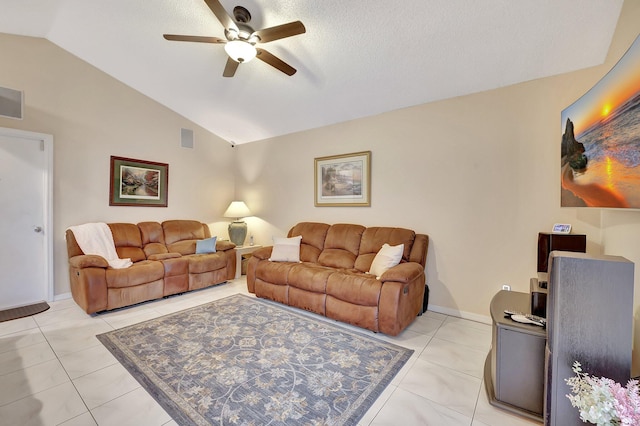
239	252
514	369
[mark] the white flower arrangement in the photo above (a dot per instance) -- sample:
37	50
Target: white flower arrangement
602	401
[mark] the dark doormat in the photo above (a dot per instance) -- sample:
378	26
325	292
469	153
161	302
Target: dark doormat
23	311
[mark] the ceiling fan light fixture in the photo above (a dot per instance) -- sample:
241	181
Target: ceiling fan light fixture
240	50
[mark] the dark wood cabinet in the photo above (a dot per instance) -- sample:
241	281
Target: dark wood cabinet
589	320
563	242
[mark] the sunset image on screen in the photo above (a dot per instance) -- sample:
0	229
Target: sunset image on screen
600	148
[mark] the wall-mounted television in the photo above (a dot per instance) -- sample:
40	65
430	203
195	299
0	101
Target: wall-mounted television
600	148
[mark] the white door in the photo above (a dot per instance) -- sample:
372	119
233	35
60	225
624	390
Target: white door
25	258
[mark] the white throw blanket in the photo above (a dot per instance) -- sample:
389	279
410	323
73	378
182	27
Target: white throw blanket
96	238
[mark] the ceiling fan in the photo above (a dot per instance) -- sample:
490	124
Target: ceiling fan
240	39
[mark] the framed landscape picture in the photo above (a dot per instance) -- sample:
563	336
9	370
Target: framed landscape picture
343	180
138	183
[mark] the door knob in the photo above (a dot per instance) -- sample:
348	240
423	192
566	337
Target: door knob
37	229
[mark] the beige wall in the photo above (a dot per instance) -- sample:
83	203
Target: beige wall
479	174
93	116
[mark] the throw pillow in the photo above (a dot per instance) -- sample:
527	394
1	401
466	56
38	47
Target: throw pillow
387	257
207	245
286	249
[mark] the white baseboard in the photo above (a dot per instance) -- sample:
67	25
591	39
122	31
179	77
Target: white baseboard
63	296
460	314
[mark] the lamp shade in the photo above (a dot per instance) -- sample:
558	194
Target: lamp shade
240	50
237	209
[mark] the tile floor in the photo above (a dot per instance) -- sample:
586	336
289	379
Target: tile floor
53	371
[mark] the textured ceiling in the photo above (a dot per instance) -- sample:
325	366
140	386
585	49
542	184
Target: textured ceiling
358	57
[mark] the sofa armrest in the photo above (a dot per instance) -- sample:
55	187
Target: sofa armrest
224	245
164	256
88	261
263	253
403	273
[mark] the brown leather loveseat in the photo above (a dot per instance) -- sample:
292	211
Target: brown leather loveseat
164	263
331	278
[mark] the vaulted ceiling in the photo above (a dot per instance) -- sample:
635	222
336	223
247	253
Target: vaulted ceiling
357	58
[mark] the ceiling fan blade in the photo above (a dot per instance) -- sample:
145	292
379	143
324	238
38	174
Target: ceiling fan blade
280	31
230	68
197	39
225	19
275	62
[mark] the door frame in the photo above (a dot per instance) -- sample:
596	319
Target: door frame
47	144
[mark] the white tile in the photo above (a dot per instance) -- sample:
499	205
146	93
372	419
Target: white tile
50	407
136	408
104	385
126	318
446	387
21	339
30	380
425	325
493	416
24	357
405	369
435	315
63	304
466	333
408	409
432	387
87	361
469	323
16	325
455	356
407	339
377	405
84	419
71	336
56	316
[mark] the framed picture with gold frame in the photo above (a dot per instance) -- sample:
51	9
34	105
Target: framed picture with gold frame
343	180
138	183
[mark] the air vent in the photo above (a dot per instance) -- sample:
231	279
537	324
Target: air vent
11	103
186	138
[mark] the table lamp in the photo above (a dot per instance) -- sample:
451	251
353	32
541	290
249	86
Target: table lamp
237	228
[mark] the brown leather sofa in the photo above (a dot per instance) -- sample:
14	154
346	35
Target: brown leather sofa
332	280
164	263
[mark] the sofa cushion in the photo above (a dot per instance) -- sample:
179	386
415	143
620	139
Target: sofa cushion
341	246
274	272
151	232
185	247
356	288
142	272
387	258
200	263
313	235
128	242
310	277
208	245
286	249
176	231
373	239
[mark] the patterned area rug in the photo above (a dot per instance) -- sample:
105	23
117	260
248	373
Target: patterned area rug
246	361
